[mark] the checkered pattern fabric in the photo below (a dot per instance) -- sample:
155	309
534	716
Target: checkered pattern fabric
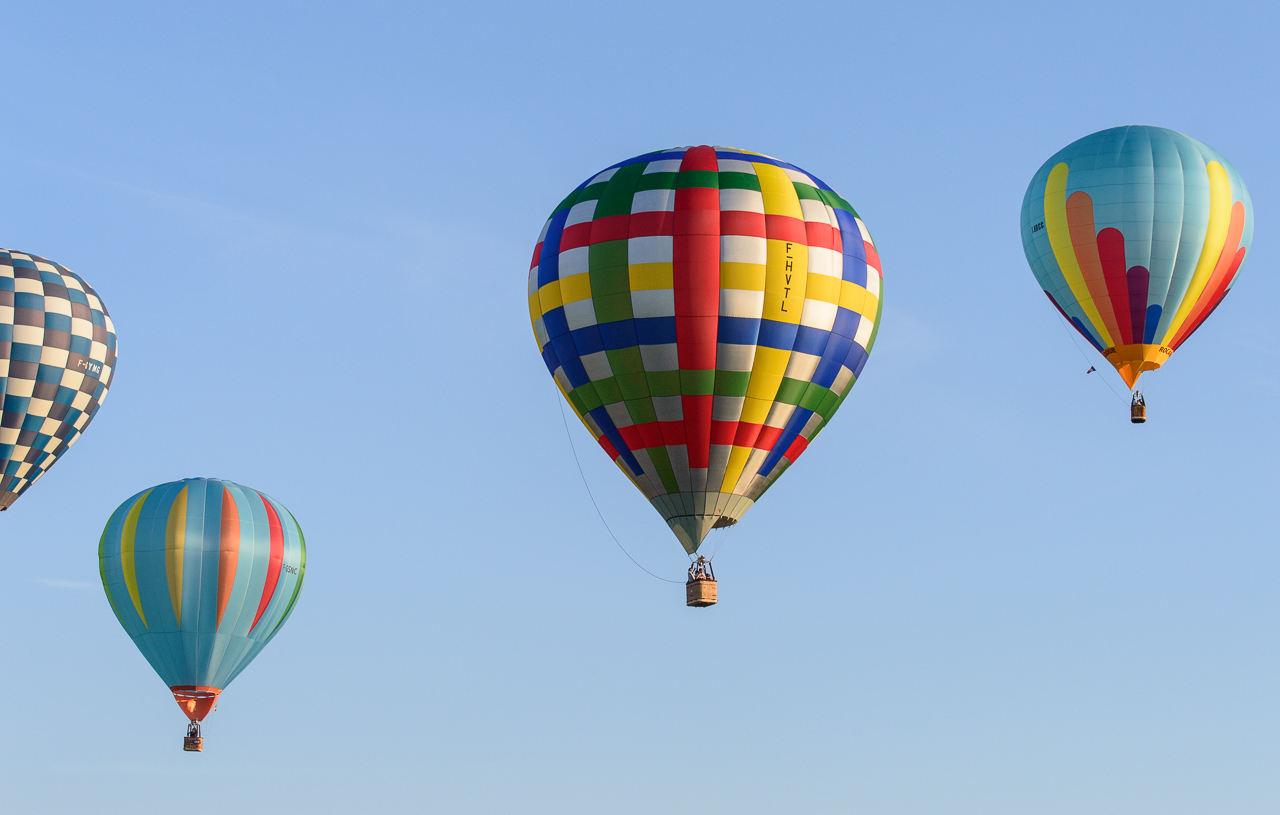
57	357
705	311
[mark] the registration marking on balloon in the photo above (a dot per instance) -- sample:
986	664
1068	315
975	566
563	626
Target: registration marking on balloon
705	311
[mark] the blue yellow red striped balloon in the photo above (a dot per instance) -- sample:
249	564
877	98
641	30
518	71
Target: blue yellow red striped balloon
57	359
1136	234
201	573
705	311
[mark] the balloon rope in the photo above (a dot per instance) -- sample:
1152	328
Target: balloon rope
583	476
722	537
1086	359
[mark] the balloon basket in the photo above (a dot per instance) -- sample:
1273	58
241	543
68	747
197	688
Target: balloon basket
700	590
1138	409
193	742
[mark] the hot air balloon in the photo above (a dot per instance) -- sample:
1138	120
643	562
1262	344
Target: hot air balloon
201	573
705	311
1136	234
57	358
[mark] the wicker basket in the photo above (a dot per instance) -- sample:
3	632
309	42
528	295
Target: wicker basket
700	593
1138	414
193	744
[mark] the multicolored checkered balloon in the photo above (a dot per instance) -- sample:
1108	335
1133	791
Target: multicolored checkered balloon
705	311
57	358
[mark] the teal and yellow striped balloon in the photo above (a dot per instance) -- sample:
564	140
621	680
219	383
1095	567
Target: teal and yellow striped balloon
201	573
1136	234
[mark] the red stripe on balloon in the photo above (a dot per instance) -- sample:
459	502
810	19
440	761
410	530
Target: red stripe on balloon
1219	278
608	446
1114	273
797	447
648	224
1220	291
873	257
650	435
274	563
757	436
575	236
723	432
819	236
746	434
610	228
631	437
696	279
768	437
786	228
674	432
735	222
654	434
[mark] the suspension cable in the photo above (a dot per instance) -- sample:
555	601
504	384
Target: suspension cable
1086	358
574	448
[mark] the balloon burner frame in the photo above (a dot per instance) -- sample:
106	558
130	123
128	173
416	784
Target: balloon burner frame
700	589
1138	408
193	742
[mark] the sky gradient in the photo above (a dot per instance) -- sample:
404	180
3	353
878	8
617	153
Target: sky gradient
312	226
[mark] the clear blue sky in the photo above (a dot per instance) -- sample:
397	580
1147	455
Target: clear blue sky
981	591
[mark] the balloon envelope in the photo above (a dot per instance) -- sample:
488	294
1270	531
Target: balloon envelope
57	359
705	311
201	573
1136	234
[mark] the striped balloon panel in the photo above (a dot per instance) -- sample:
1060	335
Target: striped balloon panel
1136	234
705	311
57	359
201	573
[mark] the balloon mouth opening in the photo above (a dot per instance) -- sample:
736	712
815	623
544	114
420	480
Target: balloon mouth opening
724	522
1132	361
196	701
